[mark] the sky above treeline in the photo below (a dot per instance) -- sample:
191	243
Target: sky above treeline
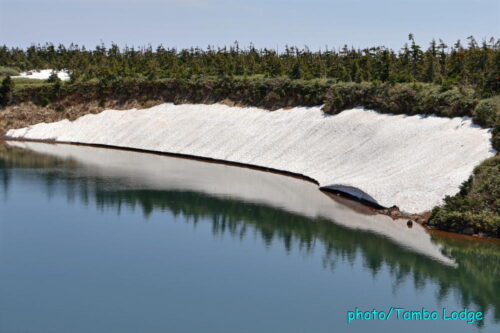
265	23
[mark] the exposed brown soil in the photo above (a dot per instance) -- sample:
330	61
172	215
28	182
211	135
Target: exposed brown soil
27	113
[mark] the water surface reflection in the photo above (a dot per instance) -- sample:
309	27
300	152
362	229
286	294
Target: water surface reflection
282	212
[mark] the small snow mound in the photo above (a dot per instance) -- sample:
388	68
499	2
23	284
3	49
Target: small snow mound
43	74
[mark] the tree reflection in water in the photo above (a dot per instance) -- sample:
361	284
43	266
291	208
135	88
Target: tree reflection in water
476	279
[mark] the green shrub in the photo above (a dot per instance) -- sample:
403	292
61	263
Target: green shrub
400	98
456	102
476	206
495	140
53	78
6	90
487	112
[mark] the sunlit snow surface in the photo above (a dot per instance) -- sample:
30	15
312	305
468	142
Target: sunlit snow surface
408	161
43	74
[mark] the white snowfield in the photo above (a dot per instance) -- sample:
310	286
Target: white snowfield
412	162
43	74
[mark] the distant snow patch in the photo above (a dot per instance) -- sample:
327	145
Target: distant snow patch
43	74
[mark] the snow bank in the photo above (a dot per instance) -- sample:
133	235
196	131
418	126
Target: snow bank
138	171
411	162
43	74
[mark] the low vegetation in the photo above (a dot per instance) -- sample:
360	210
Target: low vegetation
8	71
476	208
270	93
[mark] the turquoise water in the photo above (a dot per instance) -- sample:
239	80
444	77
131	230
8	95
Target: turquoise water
99	240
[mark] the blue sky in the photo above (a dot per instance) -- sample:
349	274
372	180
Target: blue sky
271	23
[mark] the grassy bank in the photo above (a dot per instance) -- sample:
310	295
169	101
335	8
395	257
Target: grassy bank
269	93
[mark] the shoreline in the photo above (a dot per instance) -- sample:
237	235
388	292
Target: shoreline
392	212
388	199
346	199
